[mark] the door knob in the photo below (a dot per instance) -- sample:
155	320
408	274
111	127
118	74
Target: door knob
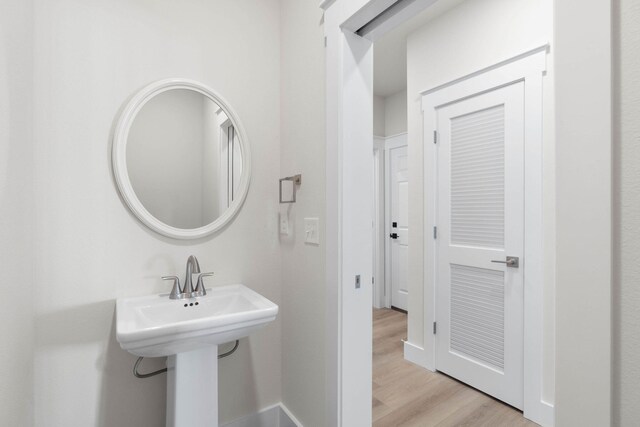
393	235
512	261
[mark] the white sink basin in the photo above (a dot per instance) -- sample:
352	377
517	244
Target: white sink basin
155	326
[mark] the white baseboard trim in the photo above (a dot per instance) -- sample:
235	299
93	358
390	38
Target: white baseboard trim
417	355
548	414
289	415
542	413
273	416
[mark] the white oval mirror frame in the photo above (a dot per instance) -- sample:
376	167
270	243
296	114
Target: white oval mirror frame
119	159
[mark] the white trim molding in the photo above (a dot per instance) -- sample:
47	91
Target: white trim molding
390	143
379	220
349	246
505	62
324	4
416	354
119	159
395	141
528	68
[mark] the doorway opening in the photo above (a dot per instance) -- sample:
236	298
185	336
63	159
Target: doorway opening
579	170
468	196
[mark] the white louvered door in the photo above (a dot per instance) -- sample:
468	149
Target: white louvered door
480	219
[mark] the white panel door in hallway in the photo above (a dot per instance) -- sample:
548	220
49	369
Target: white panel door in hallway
480	241
399	223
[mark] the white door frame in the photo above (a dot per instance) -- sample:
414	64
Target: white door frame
349	246
527	68
390	142
583	89
379	242
381	245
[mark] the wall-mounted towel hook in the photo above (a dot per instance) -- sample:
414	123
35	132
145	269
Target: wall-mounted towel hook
295	180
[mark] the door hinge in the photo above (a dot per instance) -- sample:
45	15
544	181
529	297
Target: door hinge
435	136
373	280
435	327
435	232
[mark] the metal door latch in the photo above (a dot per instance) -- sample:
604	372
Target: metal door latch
512	261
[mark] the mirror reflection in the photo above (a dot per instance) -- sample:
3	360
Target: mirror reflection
184	158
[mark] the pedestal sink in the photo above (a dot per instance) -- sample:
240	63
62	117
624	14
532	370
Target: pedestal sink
189	331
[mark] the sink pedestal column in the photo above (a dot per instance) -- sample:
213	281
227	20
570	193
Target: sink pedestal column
192	388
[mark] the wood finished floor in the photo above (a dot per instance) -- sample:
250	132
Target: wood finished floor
407	395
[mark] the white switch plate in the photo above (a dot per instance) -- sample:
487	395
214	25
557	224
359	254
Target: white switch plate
284	224
312	231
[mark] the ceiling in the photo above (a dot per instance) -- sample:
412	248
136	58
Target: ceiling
390	52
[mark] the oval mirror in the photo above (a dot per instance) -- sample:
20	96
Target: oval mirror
181	159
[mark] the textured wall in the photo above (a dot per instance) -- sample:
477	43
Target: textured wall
378	116
584	211
90	56
626	256
395	113
302	150
16	202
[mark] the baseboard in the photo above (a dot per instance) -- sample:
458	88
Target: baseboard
547	414
541	413
286	414
399	310
273	416
417	355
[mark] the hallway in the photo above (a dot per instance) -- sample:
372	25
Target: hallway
407	395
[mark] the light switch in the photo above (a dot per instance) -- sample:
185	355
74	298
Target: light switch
284	224
312	231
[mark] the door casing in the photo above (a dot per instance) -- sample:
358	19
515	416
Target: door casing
379	283
527	68
583	87
391	142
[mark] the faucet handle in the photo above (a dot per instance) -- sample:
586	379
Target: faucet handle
175	291
200	290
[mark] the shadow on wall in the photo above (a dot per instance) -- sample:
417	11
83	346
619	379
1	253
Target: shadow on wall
121	395
228	398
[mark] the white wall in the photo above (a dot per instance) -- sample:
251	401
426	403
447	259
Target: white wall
90	250
90	57
583	100
474	35
390	114
16	202
626	255
395	113
378	116
302	150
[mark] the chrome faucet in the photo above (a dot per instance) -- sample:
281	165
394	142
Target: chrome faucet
188	291
192	267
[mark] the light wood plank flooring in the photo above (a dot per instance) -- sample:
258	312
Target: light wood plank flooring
407	395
